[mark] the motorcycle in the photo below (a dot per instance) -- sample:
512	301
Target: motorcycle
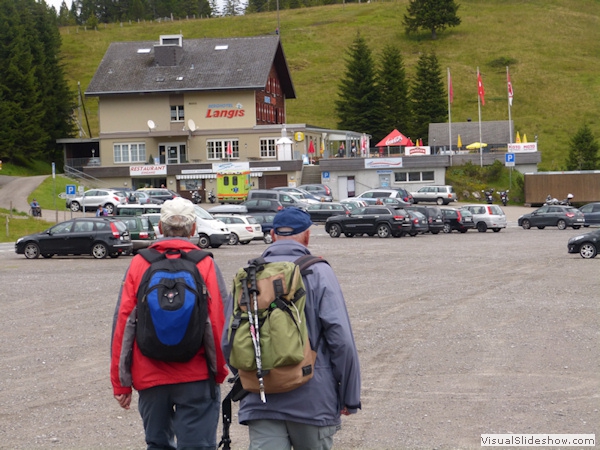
488	196
212	197
504	196
554	201
196	197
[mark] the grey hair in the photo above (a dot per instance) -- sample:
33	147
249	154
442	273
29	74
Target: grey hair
177	226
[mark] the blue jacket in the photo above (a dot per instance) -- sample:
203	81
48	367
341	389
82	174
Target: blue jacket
336	382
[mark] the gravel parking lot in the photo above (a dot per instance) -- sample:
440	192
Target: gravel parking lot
458	335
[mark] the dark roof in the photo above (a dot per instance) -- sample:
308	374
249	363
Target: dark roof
199	65
492	132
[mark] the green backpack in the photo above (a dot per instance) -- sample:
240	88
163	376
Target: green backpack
276	356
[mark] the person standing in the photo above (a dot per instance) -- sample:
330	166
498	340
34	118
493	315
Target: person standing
309	416
176	399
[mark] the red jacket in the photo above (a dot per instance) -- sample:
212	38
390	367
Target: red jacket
128	366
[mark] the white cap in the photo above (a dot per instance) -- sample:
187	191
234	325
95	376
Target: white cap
178	206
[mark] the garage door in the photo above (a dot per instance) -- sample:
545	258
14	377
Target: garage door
271	181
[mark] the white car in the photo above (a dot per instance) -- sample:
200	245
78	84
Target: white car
487	216
242	229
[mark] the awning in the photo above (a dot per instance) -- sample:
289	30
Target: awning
206	176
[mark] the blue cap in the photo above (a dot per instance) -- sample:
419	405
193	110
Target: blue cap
293	218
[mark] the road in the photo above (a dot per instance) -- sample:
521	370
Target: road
458	335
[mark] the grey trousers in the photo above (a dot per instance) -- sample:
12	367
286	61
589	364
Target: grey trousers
285	435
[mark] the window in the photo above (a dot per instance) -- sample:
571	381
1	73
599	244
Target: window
268	149
403	177
129	153
218	149
177	113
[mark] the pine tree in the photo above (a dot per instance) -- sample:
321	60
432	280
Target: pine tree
393	86
583	152
431	15
428	97
358	103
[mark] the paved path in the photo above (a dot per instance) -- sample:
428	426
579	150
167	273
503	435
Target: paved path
14	191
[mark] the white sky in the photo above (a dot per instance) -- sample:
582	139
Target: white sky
57	3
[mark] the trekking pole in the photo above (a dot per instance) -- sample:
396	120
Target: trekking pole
252	288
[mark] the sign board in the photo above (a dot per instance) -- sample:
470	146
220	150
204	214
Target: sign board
380	163
412	151
149	169
70	189
231	167
524	147
325	175
80	190
509	160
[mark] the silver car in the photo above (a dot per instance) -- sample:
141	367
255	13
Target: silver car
90	200
442	195
487	216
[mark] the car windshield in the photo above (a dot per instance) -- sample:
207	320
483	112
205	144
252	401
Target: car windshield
202	213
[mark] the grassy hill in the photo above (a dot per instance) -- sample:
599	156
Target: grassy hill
551	47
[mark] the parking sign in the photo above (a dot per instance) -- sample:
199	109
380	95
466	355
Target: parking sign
509	160
70	189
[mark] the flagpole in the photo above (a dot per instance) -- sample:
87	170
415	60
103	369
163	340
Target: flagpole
480	138
508	88
450	114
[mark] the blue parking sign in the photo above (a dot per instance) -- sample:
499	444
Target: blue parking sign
509	159
70	189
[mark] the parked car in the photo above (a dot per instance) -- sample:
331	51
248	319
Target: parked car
319	212
591	213
353	204
242	228
142	198
318	190
457	219
553	216
265	218
134	209
159	193
585	244
442	195
381	220
271	194
91	199
211	232
487	216
96	236
141	231
301	194
262	204
435	219
403	194
418	223
371	196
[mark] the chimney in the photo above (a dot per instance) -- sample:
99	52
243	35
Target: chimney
170	50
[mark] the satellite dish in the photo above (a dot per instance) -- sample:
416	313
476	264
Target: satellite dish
191	125
151	124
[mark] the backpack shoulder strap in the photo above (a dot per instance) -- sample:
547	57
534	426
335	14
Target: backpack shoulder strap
196	255
305	261
151	255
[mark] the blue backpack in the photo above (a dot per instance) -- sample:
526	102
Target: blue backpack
172	309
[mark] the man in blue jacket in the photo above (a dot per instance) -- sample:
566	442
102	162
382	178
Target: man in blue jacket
309	416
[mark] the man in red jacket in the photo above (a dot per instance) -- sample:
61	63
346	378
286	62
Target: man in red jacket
176	399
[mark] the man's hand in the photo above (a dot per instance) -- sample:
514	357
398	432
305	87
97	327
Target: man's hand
124	400
345	411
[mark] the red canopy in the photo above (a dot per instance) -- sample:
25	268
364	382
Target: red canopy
395	138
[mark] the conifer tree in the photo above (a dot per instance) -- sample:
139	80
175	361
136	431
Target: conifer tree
432	15
428	97
358	104
393	86
583	151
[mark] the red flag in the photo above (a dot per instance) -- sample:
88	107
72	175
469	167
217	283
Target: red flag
229	149
311	147
480	90
450	90
510	88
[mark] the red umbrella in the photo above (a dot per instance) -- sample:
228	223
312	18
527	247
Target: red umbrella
311	147
229	149
395	138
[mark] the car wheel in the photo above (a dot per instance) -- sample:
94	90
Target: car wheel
233	239
561	224
447	228
496	229
526	224
99	250
335	231
48	255
349	235
481	227
203	241
110	208
75	206
383	231
31	251
576	227
440	201
588	250
267	238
